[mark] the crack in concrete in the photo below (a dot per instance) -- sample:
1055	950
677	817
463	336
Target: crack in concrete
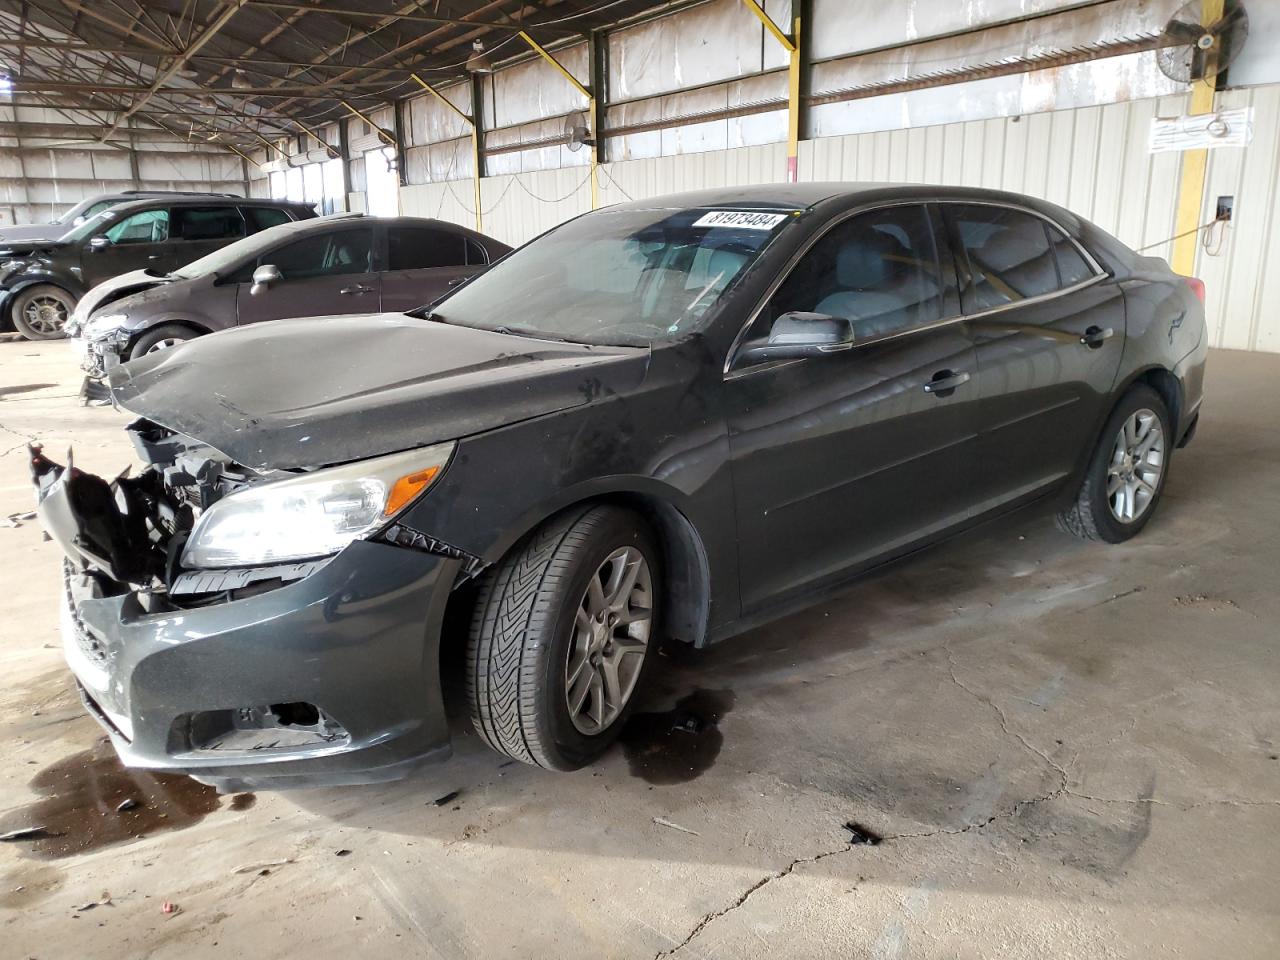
1062	789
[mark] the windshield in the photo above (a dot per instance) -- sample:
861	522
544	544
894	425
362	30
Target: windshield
616	276
228	256
90	227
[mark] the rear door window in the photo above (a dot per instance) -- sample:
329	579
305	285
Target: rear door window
477	256
1012	255
323	255
419	248
1072	266
207	223
260	218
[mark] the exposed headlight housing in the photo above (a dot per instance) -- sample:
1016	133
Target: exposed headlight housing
107	326
312	515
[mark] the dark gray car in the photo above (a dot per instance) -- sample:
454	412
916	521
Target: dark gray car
348	264
86	208
679	417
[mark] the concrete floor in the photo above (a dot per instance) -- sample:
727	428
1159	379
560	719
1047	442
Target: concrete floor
1069	750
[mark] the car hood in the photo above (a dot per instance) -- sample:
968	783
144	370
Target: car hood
111	291
323	390
32	233
29	248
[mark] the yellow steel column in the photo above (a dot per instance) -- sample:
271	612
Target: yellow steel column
792	45
793	104
475	144
591	110
1195	162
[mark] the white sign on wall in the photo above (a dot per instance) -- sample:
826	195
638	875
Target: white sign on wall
1226	128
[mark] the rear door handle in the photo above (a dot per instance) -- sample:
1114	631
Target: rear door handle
154	256
1095	336
357	289
944	382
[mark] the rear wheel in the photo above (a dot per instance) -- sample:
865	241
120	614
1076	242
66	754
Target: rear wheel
41	312
1127	472
561	635
161	338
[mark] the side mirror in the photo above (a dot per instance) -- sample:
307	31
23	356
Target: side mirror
797	334
264	277
99	243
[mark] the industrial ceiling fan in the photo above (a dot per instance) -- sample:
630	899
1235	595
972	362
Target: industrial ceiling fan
1194	50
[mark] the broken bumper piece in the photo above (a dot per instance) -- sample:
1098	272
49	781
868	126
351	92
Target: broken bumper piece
329	678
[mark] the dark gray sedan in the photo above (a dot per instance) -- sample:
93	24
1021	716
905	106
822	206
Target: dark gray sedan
348	263
679	417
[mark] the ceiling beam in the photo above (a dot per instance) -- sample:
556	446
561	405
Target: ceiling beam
209	32
412	17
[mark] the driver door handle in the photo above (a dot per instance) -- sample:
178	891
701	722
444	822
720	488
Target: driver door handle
944	382
356	289
1096	336
153	256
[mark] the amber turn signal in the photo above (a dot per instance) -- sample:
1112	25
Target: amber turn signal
406	488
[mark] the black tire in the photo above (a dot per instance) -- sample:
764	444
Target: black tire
158	335
44	327
522	633
1091	517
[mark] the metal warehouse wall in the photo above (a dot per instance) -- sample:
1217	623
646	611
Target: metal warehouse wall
38	183
1092	160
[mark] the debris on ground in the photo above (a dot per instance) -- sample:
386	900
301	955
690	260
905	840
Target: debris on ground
263	868
343	853
16	519
128	804
170	908
24	833
860	835
662	822
447	798
102	901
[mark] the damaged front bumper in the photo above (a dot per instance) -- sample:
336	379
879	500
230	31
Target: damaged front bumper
97	358
304	675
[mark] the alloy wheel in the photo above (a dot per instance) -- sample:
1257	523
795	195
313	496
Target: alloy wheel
164	344
45	314
610	637
1137	464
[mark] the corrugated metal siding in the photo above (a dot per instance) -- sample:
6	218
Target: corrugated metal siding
1092	160
1242	280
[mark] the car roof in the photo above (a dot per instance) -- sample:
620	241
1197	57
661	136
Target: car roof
801	196
190	200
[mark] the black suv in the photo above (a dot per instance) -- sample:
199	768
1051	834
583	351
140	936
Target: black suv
41	282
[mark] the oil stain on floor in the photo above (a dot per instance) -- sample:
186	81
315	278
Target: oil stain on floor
680	744
89	801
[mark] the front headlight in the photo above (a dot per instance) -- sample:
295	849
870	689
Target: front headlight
313	515
108	326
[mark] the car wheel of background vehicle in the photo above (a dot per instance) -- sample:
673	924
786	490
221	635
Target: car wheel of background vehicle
1127	472
41	312
161	338
561	635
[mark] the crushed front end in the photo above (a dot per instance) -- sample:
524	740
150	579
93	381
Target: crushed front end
313	671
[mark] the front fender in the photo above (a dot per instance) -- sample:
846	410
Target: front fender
31	278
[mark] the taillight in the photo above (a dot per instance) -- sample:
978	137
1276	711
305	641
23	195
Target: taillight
1197	286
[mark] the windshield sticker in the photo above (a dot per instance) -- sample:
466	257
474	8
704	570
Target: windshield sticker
741	219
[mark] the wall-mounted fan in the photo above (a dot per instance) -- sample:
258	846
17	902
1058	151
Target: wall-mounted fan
576	132
1195	51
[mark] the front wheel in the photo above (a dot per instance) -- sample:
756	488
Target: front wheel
161	338
41	312
561	635
1127	472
